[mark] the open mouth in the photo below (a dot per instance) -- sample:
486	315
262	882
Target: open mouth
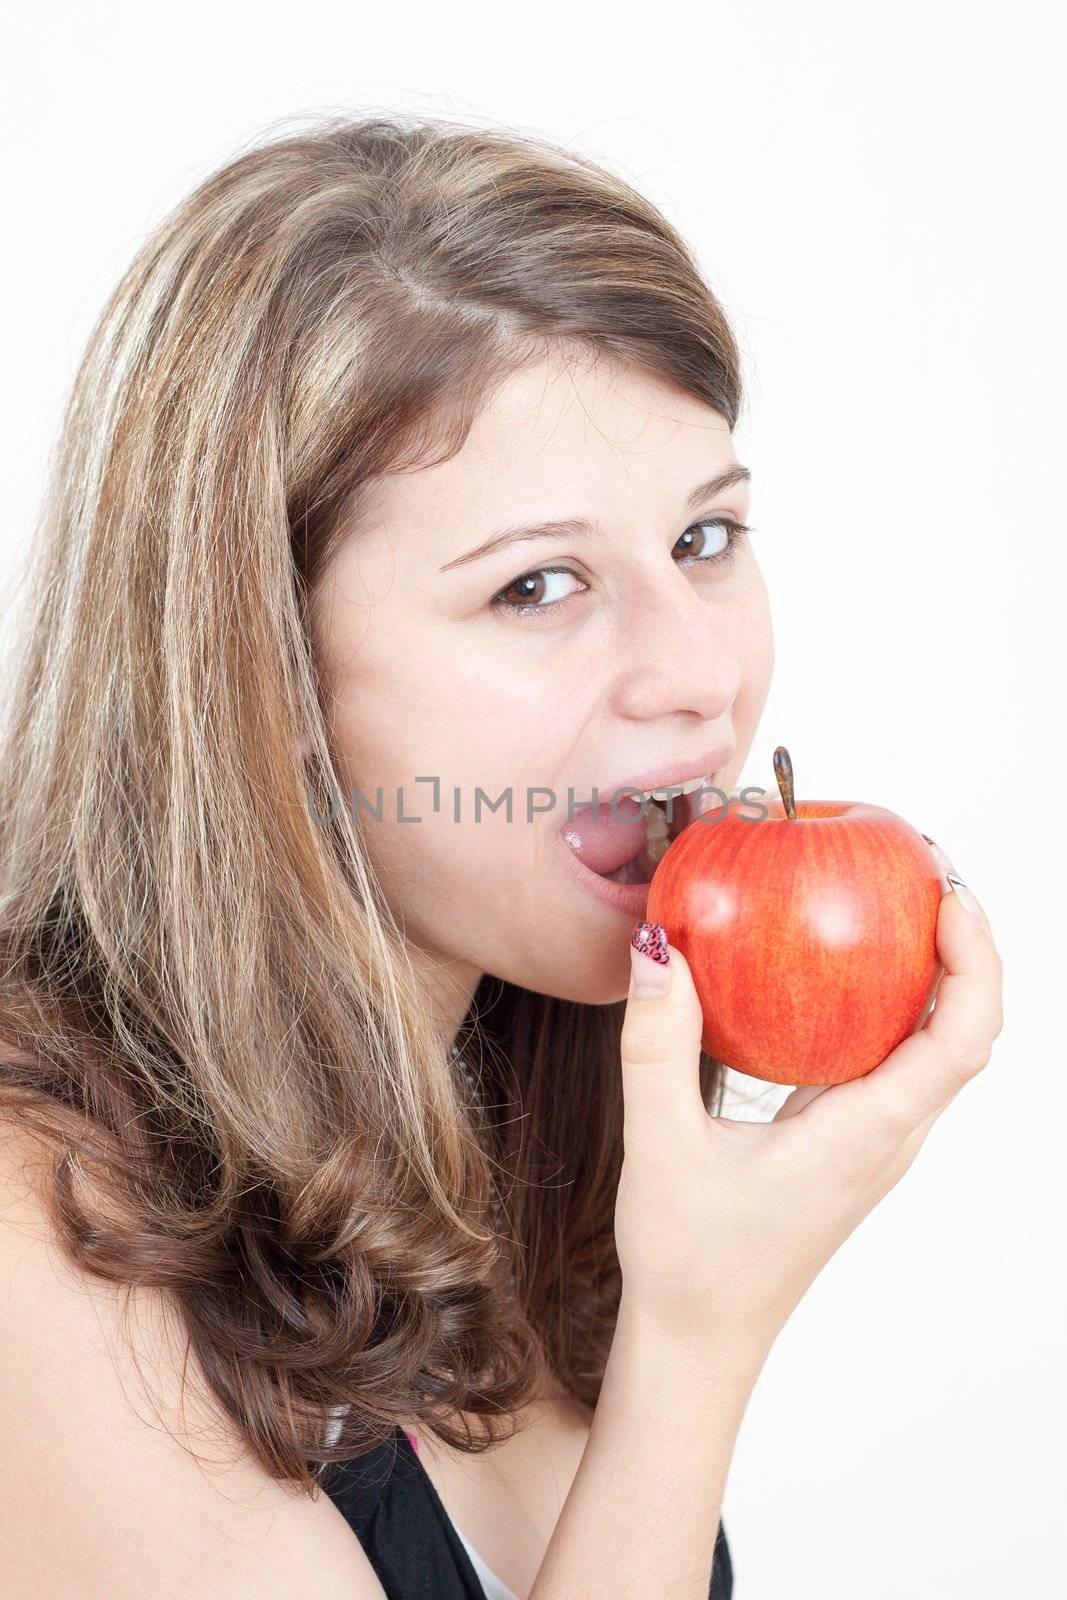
625	842
661	831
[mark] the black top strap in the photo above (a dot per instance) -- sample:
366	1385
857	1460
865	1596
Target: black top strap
389	1501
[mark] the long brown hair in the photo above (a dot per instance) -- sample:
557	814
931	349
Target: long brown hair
212	1017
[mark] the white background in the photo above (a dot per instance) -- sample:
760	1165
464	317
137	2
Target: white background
877	196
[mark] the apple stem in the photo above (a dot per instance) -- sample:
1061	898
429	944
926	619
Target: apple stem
783	771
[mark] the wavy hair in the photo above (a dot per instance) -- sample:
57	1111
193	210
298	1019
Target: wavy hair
209	1013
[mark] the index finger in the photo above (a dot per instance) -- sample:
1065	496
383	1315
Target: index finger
924	1073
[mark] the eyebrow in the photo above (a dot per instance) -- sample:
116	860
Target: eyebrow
579	526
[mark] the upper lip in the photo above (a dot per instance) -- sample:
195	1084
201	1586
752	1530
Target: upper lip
705	766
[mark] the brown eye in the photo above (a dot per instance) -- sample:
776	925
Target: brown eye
526	588
526	594
716	545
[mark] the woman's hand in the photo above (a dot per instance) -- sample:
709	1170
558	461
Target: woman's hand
721	1226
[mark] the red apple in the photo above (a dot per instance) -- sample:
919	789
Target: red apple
809	931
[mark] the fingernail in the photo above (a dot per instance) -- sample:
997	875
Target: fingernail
946	865
956	883
967	899
650	960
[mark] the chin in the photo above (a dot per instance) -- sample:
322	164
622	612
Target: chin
600	980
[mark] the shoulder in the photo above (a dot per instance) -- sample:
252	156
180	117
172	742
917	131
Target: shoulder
106	1419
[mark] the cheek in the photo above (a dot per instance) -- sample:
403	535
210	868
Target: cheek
469	764
744	634
755	639
439	873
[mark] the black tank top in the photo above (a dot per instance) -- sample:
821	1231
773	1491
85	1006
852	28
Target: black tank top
389	1501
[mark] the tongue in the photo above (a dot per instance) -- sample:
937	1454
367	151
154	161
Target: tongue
605	837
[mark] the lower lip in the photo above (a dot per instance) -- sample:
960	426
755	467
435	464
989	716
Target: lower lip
626	898
629	899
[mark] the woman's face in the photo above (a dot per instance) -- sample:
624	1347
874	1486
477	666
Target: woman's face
637	653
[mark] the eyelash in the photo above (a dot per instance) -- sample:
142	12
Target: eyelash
736	531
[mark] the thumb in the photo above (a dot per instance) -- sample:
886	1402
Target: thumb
660	1040
795	1102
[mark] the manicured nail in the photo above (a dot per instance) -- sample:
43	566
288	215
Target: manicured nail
650	960
956	883
967	900
943	861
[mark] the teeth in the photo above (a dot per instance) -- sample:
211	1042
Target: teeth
657	828
690	786
656	846
655	823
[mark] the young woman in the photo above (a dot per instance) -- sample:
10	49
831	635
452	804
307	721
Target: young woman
367	1223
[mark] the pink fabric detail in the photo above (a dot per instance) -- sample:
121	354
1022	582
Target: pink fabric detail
414	1443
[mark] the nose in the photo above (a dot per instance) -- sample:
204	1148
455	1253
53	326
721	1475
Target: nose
675	656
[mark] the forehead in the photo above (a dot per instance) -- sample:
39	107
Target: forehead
564	424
